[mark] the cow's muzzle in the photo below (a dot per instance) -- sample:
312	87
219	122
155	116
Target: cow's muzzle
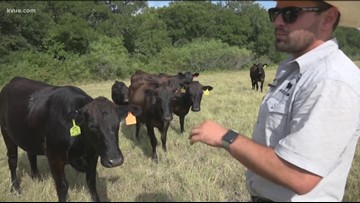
109	163
195	109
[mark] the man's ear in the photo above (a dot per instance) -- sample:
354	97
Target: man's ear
329	19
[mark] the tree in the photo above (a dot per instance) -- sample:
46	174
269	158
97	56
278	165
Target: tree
187	20
349	41
22	31
149	35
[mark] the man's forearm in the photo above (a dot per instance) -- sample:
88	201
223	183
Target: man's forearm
263	161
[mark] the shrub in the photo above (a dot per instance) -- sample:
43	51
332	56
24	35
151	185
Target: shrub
201	55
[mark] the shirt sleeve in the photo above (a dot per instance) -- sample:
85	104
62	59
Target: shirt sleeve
323	121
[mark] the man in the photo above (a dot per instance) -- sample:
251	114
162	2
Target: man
309	122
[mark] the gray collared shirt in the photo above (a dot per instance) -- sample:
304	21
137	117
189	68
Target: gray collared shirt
311	117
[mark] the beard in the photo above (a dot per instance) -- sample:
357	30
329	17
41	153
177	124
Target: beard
296	41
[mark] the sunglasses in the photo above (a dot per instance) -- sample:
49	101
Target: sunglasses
290	14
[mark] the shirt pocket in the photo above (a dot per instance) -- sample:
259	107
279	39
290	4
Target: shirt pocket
277	107
276	122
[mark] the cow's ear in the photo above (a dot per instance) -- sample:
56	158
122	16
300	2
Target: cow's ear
134	109
207	87
123	110
195	75
78	115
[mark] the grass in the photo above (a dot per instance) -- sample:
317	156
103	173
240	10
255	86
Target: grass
184	173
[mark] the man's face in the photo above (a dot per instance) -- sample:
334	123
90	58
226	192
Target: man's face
296	37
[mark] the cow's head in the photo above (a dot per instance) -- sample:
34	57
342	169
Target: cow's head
196	91
260	68
186	78
120	93
162	98
99	121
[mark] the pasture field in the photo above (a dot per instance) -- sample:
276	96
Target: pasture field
184	172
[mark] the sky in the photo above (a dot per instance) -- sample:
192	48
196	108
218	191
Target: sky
266	4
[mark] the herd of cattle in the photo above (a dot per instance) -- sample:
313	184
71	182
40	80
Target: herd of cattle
159	96
68	126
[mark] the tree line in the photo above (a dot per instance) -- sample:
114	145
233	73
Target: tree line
78	41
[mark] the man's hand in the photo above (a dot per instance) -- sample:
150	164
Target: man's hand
208	132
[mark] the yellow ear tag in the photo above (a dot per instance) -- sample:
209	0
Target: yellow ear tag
183	90
130	119
206	92
74	130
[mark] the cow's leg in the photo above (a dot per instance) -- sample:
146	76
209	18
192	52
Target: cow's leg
12	154
137	131
261	85
35	174
57	167
256	86
153	141
182	119
252	84
164	134
91	177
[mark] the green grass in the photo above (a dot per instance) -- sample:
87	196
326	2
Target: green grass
184	173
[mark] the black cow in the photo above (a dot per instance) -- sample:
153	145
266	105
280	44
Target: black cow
257	74
37	117
120	93
191	98
156	101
